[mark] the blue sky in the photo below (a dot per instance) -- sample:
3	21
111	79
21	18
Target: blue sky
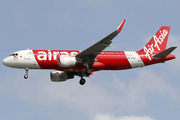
149	93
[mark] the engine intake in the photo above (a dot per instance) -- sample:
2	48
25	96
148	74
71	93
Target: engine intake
59	76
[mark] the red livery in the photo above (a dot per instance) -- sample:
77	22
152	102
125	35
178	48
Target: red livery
69	63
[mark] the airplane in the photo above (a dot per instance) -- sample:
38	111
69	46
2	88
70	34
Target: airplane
70	63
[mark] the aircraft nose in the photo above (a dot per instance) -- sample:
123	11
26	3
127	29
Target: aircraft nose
6	61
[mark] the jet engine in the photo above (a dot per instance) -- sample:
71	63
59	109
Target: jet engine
68	61
59	76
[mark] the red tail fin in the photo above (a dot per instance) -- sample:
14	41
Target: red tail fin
158	42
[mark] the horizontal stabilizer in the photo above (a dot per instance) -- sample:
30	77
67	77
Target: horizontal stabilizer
163	53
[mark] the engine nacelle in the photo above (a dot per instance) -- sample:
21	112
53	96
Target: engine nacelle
68	61
59	76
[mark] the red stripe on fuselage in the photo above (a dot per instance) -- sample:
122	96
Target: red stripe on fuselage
114	60
111	60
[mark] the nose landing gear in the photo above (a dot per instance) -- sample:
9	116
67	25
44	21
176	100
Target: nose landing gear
26	75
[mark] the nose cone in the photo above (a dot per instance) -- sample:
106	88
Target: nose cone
6	61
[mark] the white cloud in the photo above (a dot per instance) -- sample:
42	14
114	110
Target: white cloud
111	117
93	98
136	92
41	90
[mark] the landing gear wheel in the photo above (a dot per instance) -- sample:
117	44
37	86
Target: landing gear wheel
25	76
82	81
88	72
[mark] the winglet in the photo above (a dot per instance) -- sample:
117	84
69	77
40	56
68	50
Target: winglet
121	25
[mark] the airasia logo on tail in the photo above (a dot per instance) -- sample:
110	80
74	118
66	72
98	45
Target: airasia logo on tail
149	49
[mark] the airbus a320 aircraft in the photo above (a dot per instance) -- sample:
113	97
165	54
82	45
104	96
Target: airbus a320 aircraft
69	63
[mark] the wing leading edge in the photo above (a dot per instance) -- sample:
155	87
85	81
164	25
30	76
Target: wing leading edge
90	53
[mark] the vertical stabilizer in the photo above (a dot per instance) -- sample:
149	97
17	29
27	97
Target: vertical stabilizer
158	42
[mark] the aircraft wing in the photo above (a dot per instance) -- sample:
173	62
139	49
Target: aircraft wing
90	53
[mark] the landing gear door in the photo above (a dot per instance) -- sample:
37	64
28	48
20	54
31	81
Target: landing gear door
27	55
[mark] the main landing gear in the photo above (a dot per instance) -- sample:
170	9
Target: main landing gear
26	75
82	80
87	73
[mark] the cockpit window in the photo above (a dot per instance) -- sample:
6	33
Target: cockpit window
14	54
